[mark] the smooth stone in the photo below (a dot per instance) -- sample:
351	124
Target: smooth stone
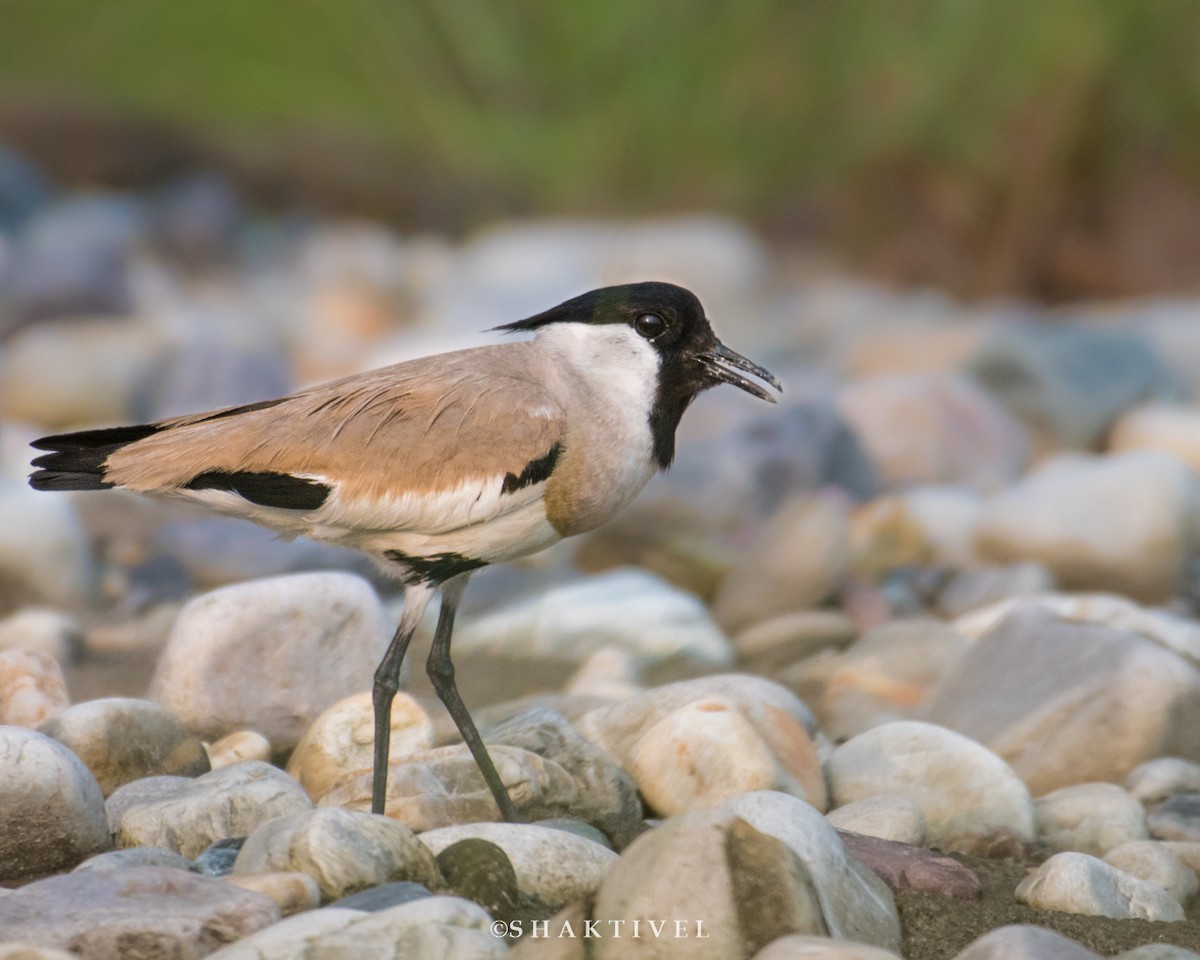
573	621
1079	883
122	740
196	219
42	630
921	527
885	816
1091	818
341	741
138	912
1071	514
611	672
136	857
32	688
1170	428
45	555
238	746
1176	819
902	866
938	428
383	896
189	815
971	799
798	947
1162	778
1186	852
1149	860
480	871
292	891
292	938
343	850
24	189
211	674
1036	689
970	590
553	867
1070	379
798	560
31	951
1024	942
53	808
218	857
793	636
1157	951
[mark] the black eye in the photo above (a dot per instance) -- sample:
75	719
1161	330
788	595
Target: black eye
649	325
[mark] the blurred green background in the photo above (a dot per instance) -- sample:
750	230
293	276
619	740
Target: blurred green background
1041	147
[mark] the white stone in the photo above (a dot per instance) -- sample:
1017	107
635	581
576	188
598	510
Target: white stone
1171	428
1078	883
1024	942
885	816
271	655
32	688
969	796
291	938
238	746
44	550
41	630
797	947
1091	818
1151	861
1162	778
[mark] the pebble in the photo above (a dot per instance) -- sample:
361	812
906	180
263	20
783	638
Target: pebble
42	630
794	636
1079	883
53	808
136	857
969	590
292	891
1072	515
902	866
797	947
1091	818
257	655
1171	428
1024	942
1162	778
45	557
480	871
922	527
31	951
796	562
238	746
188	815
1176	819
291	938
971	799
382	897
218	857
1151	861
122	740
32	688
1157	951
938	428
140	911
341	741
886	816
343	850
553	867
1036	689
612	673
573	621
24	188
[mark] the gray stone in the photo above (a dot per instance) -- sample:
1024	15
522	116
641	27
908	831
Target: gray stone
797	947
885	816
135	857
121	740
793	636
1176	819
1078	883
343	850
1153	862
45	557
53	809
1089	818
969	590
218	858
1024	942
189	815
1157	951
478	870
382	897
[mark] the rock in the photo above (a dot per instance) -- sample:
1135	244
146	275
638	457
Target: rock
1186	852
1163	778
218	857
935	428
1151	861
53	809
574	621
1024	942
478	870
797	947
41	630
884	816
922	527
136	857
611	673
382	897
32	688
902	865
24	188
1176	819
31	951
971	799
1078	883
553	867
1170	428
343	850
1068	703
1091	818
971	590
292	938
256	655
121	740
797	561
1072	514
188	815
238	746
1157	951
45	557
793	636
341	740
140	912
196	219
1069	380
291	891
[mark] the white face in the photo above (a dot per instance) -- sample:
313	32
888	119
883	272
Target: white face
609	357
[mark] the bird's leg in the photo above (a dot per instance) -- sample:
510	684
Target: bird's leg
441	672
387	682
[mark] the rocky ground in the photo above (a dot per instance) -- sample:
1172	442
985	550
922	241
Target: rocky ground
906	666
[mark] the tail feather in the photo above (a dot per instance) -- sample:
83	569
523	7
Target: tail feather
76	460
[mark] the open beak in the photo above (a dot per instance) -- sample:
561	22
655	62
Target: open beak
721	359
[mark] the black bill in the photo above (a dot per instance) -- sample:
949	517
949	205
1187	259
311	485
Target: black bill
718	364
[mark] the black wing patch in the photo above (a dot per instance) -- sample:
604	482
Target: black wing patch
436	568
266	489
535	471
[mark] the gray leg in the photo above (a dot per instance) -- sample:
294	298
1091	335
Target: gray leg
387	682
441	672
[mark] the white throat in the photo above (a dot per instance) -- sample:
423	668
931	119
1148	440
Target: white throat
607	359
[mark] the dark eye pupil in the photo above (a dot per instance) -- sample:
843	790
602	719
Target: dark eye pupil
649	325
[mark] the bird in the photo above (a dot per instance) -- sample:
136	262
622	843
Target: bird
439	466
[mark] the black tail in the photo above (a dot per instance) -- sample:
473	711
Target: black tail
76	460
